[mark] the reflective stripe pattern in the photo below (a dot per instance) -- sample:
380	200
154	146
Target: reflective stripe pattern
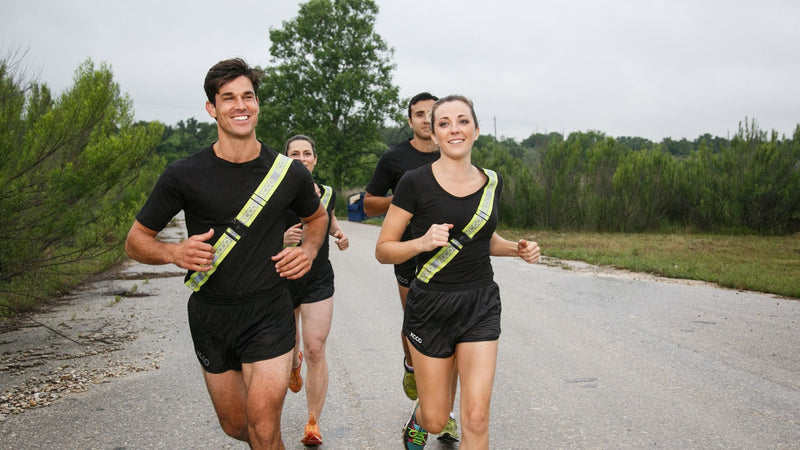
327	193
244	219
448	252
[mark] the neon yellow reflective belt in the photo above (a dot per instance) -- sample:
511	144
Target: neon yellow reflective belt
244	219
448	252
327	194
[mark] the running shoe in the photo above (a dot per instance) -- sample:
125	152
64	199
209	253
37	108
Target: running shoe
414	436
450	432
410	385
311	434
296	380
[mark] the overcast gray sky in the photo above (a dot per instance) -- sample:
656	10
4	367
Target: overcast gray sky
649	68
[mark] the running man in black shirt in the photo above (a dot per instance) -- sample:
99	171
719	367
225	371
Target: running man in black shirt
240	315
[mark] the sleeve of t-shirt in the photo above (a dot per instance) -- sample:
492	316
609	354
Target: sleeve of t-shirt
306	200
332	203
164	202
380	183
405	195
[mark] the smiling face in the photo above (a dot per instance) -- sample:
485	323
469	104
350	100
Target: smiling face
302	150
454	128
236	108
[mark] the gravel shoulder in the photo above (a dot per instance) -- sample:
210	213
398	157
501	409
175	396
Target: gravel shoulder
106	329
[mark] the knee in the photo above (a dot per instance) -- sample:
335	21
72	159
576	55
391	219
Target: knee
475	421
237	429
264	432
314	351
434	423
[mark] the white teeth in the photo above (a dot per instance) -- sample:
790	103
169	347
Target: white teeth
240	118
457	141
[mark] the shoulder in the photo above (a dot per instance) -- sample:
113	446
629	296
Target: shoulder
494	178
193	162
268	153
423	171
418	175
398	149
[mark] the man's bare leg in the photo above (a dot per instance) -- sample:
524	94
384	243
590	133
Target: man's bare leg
249	403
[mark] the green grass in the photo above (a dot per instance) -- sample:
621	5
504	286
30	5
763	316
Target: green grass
769	264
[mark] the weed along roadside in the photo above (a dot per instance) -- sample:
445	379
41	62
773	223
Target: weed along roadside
768	264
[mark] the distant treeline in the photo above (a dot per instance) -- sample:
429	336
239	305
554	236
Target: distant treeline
588	181
592	182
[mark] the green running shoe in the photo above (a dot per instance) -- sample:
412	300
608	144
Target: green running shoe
414	436
410	385
450	432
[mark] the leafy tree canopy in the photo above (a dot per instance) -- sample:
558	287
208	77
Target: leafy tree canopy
330	77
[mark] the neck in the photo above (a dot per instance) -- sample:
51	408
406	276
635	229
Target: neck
237	150
423	145
454	168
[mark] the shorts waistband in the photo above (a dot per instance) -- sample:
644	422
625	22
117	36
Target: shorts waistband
241	299
452	287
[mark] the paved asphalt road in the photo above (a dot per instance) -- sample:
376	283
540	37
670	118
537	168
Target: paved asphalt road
588	359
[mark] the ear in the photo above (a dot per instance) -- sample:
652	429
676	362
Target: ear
211	109
409	122
477	132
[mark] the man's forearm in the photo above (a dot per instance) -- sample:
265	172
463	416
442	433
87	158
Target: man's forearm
314	232
376	206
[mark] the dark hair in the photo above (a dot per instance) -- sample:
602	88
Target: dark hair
301	137
422	96
455	98
227	71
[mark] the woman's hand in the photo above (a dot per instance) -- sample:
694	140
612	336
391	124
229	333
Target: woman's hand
341	239
437	236
528	251
292	236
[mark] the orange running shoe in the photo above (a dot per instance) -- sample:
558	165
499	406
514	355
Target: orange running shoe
311	434
296	380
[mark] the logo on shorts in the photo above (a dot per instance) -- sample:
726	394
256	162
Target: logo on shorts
203	359
416	338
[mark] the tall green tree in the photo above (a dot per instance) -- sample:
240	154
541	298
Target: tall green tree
330	77
73	170
644	183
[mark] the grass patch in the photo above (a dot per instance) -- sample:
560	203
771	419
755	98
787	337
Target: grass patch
769	264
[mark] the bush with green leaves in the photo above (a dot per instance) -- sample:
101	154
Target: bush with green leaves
74	170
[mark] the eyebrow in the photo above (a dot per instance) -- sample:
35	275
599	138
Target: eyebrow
231	93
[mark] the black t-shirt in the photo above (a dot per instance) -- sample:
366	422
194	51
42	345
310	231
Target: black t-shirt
420	194
324	251
393	164
211	191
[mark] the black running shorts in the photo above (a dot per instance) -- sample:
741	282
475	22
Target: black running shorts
406	272
316	286
229	332
435	321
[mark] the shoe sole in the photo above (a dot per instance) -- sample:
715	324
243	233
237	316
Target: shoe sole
311	442
447	438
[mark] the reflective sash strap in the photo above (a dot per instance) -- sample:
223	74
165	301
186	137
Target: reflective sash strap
448	252
327	194
244	219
